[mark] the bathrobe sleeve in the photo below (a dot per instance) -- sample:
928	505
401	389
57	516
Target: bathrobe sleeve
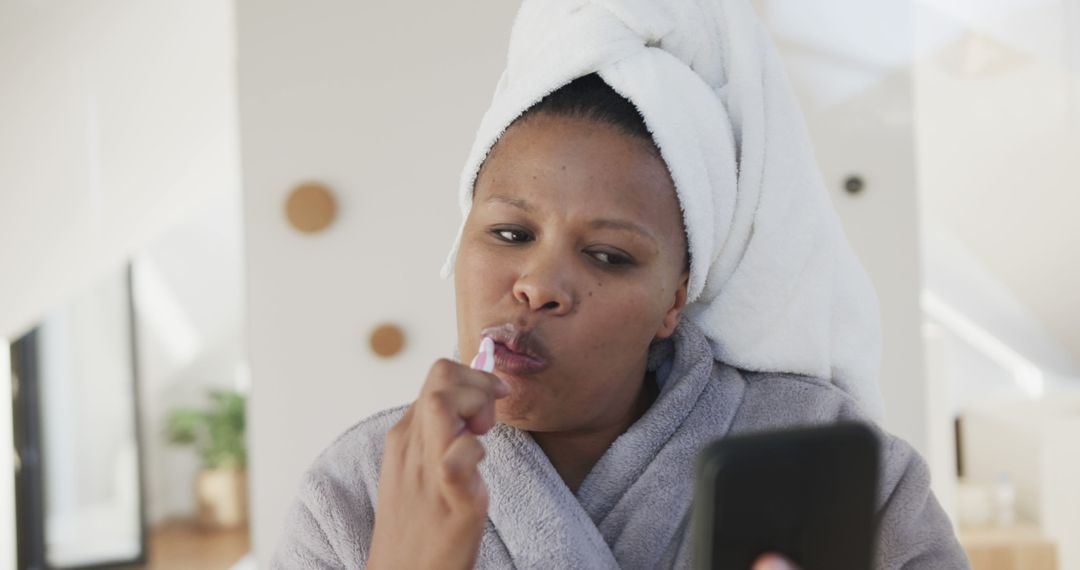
330	524
320	534
914	531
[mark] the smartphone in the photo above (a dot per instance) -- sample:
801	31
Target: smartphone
807	494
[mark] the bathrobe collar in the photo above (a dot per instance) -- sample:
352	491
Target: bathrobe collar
639	491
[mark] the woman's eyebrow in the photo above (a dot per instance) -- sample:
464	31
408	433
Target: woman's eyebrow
612	224
601	223
511	201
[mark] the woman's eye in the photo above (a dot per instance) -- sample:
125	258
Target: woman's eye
609	258
512	234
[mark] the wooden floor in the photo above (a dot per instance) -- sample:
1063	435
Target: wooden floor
183	545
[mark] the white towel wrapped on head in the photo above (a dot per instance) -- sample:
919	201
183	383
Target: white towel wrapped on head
773	281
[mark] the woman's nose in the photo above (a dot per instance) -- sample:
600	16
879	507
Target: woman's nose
542	287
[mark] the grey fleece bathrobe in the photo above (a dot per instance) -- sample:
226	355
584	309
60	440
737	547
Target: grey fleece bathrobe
633	509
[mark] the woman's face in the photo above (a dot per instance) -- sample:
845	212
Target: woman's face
573	254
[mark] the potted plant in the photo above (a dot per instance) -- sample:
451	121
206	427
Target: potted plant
218	435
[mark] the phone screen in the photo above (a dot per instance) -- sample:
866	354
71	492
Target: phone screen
807	494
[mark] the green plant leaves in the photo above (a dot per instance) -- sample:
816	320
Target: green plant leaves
217	433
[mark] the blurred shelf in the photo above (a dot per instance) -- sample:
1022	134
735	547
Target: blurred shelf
1020	547
184	545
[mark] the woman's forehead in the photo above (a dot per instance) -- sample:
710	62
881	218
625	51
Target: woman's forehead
569	164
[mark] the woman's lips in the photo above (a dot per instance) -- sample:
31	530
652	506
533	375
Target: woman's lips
518	349
515	362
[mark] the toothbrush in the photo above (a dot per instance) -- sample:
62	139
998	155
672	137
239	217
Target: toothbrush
484	360
485	357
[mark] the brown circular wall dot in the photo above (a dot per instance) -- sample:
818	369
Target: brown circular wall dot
854	184
387	340
310	207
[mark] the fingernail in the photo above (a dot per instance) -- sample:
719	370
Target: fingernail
774	562
501	387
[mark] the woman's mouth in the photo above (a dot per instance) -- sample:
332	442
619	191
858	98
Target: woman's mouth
518	350
516	363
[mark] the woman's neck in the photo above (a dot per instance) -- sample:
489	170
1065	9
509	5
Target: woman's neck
574	453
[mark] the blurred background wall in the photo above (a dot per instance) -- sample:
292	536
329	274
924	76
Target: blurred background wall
378	101
119	119
118	144
171	135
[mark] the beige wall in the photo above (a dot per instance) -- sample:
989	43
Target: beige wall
379	100
118	119
998	94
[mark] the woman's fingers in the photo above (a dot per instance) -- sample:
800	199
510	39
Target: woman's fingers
454	395
449	373
773	562
437	434
461	481
486	381
430	489
455	399
447	413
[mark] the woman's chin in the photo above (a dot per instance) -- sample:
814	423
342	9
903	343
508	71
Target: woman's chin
520	412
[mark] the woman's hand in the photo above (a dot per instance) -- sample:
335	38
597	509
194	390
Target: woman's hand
773	562
432	502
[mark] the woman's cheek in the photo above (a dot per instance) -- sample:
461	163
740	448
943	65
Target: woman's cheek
479	259
629	316
497	272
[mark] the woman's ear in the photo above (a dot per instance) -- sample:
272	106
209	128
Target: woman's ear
674	313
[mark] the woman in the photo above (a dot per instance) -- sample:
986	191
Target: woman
648	245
